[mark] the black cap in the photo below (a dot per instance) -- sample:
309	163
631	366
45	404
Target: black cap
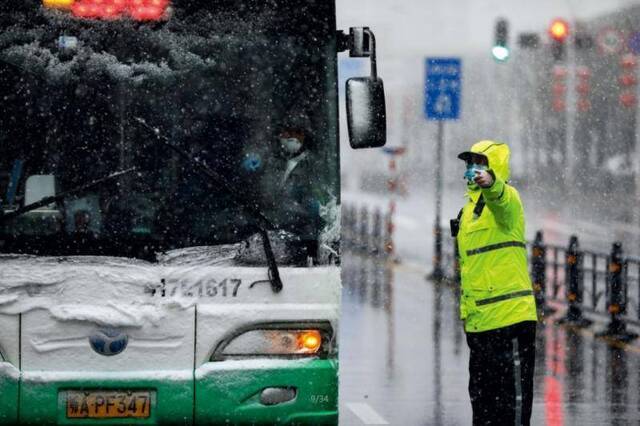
469	157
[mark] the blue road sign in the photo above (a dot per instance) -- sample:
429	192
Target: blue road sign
443	88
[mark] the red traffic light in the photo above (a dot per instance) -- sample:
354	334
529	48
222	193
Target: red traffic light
559	29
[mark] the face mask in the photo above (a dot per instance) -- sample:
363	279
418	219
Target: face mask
290	145
470	174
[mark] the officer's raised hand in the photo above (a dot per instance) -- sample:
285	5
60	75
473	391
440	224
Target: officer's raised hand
483	178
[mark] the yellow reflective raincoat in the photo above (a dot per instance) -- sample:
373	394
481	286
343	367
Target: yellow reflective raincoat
496	288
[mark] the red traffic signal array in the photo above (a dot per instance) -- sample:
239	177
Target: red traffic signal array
559	88
628	81
583	89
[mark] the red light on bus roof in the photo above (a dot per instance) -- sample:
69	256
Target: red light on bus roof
110	12
140	10
159	3
146	13
85	10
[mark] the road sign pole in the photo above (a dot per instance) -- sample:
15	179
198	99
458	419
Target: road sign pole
443	88
438	273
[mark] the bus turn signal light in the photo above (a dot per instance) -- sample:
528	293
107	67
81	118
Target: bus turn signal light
309	341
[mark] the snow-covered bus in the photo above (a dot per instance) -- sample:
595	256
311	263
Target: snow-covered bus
169	209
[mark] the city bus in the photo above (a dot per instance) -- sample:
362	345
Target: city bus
170	209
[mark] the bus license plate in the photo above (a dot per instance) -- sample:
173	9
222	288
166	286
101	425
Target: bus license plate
108	404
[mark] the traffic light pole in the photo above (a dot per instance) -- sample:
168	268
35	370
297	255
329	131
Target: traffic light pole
438	273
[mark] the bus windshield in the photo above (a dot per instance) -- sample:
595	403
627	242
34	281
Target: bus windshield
243	87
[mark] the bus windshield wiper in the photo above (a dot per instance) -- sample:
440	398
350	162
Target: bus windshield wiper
4	216
208	172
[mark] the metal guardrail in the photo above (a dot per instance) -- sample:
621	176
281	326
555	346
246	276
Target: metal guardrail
583	280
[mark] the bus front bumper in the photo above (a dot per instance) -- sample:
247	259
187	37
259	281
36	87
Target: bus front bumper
226	392
230	391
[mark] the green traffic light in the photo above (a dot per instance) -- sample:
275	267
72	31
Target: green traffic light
500	53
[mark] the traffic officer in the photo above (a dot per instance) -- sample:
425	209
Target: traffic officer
497	303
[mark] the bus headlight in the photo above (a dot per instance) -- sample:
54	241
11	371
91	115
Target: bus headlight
276	340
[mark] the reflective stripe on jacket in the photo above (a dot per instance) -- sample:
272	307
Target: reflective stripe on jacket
496	288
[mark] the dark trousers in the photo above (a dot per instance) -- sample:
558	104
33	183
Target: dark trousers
501	368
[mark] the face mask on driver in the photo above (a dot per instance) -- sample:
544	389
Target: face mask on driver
290	145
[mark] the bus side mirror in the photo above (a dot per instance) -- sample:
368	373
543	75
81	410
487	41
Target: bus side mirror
366	108
366	112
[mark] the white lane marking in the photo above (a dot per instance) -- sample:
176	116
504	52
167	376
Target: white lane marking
366	413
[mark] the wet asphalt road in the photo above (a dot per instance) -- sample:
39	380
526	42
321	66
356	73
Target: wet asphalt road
403	358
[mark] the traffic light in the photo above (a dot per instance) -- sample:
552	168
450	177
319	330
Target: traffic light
558	31
500	50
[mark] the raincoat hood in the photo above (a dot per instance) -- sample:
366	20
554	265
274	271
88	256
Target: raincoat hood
497	153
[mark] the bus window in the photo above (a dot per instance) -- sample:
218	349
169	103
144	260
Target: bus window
221	80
